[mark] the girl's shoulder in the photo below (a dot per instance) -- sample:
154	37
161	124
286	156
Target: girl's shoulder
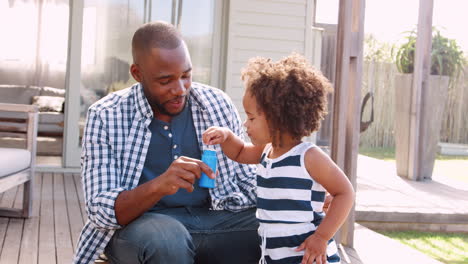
303	147
313	153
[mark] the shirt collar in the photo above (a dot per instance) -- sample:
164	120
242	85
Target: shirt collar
197	98
142	106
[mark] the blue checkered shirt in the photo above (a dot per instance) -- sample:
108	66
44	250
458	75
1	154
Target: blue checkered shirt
115	143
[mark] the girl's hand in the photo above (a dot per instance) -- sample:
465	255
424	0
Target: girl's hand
215	135
315	249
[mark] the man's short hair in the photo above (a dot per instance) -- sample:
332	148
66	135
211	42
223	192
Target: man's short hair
158	34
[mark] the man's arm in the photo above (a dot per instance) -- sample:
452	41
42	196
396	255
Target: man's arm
108	204
99	171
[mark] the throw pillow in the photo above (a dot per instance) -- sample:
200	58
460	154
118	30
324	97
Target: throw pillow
49	103
51	91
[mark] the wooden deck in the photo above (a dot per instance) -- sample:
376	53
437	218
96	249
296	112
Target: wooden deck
387	201
51	234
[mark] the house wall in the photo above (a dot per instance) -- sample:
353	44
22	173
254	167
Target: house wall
273	29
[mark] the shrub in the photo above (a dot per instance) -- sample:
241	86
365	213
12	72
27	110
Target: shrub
446	56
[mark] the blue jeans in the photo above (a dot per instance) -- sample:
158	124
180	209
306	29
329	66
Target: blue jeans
187	235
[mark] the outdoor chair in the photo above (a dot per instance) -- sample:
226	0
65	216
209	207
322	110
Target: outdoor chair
17	165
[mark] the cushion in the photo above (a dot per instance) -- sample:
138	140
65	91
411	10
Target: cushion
50	128
51	118
13	160
51	91
18	94
48	103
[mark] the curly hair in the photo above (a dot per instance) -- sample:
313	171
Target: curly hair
290	92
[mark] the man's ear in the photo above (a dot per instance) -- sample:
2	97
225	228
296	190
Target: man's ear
136	74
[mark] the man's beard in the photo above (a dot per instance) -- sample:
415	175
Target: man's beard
159	107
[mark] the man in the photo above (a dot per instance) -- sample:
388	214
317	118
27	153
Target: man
141	165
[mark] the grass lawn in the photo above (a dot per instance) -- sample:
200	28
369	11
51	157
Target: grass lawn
378	153
453	167
448	248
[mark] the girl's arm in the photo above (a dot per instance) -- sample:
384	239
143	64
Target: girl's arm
232	145
324	171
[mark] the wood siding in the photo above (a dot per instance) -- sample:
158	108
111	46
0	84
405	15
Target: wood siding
271	29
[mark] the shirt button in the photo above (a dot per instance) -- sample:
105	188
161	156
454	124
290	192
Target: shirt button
170	135
147	136
175	146
139	167
166	127
175	156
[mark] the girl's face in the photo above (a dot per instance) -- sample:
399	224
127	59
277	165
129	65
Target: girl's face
256	124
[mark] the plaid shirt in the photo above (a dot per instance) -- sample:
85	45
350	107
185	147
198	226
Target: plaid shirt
115	143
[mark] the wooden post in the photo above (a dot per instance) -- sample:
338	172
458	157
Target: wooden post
422	65
346	111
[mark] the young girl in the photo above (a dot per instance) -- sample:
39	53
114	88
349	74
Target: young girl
285	101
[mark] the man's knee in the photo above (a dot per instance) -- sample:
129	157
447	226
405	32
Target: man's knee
154	237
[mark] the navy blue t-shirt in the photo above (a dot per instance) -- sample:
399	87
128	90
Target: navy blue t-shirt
169	141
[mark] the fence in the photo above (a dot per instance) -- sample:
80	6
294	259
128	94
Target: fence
379	78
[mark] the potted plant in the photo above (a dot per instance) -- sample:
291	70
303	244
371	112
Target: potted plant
447	61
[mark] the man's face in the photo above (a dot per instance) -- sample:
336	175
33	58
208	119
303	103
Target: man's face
166	76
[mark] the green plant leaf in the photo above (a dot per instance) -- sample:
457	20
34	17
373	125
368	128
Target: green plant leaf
447	58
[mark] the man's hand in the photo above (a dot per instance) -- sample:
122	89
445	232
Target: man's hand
215	135
181	174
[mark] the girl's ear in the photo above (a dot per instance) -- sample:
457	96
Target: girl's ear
135	71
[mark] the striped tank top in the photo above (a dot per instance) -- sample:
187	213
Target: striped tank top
289	206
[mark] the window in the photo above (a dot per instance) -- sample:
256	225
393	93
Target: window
108	29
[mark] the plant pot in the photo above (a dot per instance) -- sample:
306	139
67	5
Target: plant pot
433	104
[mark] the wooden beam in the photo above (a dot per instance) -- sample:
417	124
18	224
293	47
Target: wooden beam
10	181
422	62
71	134
18	108
338	139
346	112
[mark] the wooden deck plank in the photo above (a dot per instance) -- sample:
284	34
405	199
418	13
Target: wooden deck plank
63	244
3	229
11	248
30	241
7	201
73	208
47	254
79	190
13	236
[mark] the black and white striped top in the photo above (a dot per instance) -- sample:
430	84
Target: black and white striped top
289	206
286	192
